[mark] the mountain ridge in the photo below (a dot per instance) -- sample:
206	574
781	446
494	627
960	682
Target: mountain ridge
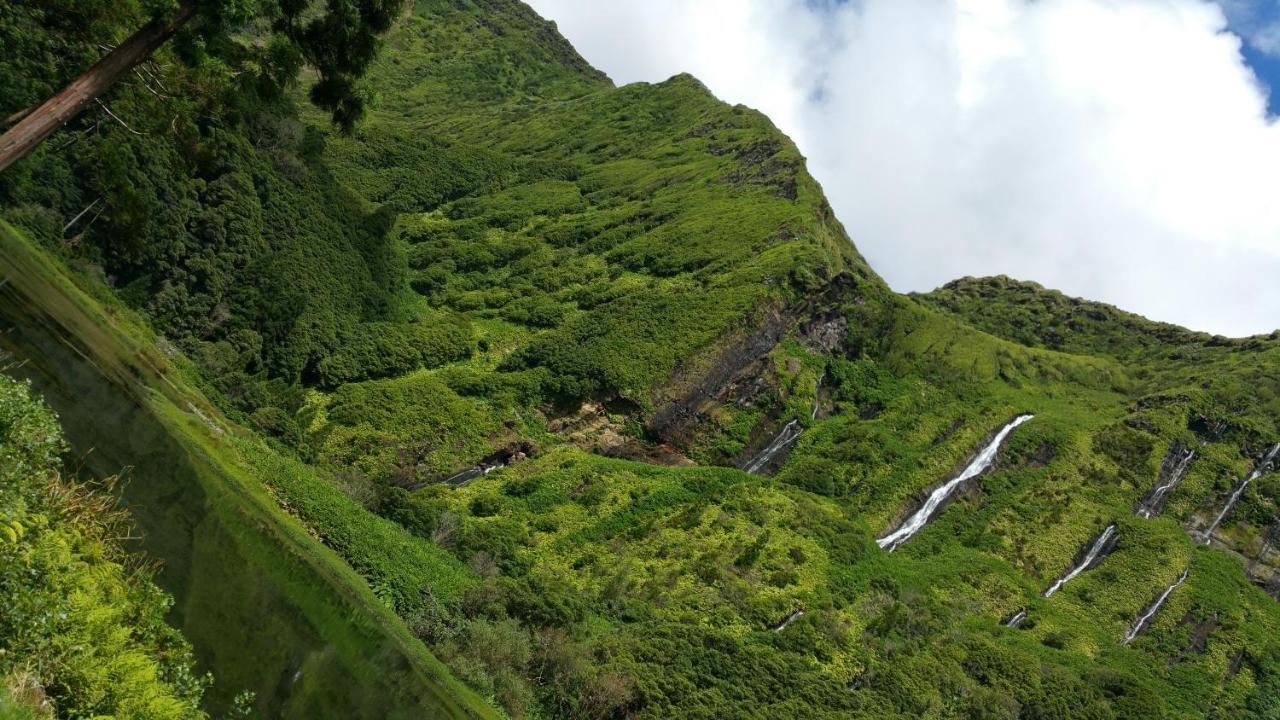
960	296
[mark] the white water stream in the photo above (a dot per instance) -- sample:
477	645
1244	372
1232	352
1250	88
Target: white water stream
1155	499
464	477
1090	557
790	618
921	517
1141	623
1262	467
1016	619
784	438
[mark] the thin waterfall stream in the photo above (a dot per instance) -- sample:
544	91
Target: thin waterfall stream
780	442
784	438
1098	549
977	466
789	619
465	477
1174	470
817	399
1266	465
1150	612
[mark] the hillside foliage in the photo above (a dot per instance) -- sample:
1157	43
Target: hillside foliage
83	627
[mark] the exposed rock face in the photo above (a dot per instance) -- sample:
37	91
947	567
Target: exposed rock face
1263	560
737	372
696	388
591	428
824	333
1260	557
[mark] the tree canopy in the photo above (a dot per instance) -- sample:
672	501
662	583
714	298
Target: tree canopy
264	42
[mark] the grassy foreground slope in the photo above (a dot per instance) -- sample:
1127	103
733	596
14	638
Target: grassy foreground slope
268	608
83	628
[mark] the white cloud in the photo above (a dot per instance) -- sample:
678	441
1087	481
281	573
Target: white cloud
1114	149
1267	39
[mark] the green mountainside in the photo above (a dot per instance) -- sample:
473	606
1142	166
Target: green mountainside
541	397
1030	315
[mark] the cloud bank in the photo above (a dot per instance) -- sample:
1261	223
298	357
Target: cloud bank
1115	149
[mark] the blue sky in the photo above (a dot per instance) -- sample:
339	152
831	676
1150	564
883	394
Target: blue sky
1258	23
1267	68
1118	150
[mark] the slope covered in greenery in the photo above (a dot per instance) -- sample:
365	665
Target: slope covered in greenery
267	608
1027	313
504	349
83	627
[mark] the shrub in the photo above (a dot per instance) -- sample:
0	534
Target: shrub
82	623
385	349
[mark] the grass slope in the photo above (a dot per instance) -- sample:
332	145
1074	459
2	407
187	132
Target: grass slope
268	608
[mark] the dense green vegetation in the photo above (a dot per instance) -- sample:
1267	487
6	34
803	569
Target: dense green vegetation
83	627
518	277
322	641
1031	315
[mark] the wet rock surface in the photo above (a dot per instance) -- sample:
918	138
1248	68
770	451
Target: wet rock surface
738	373
1173	469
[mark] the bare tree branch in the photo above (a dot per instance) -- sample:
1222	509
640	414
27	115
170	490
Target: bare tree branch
117	117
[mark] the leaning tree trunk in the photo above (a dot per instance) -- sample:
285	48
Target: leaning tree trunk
68	102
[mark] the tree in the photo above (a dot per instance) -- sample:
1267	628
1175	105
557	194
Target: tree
339	42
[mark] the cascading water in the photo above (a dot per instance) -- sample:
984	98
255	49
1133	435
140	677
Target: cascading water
785	437
780	442
1265	466
466	475
790	618
1155	498
1016	619
463	477
919	518
1145	618
1097	550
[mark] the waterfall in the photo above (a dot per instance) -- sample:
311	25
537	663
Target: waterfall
1156	497
464	476
1099	548
1016	619
1141	623
780	442
790	618
985	458
1262	467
